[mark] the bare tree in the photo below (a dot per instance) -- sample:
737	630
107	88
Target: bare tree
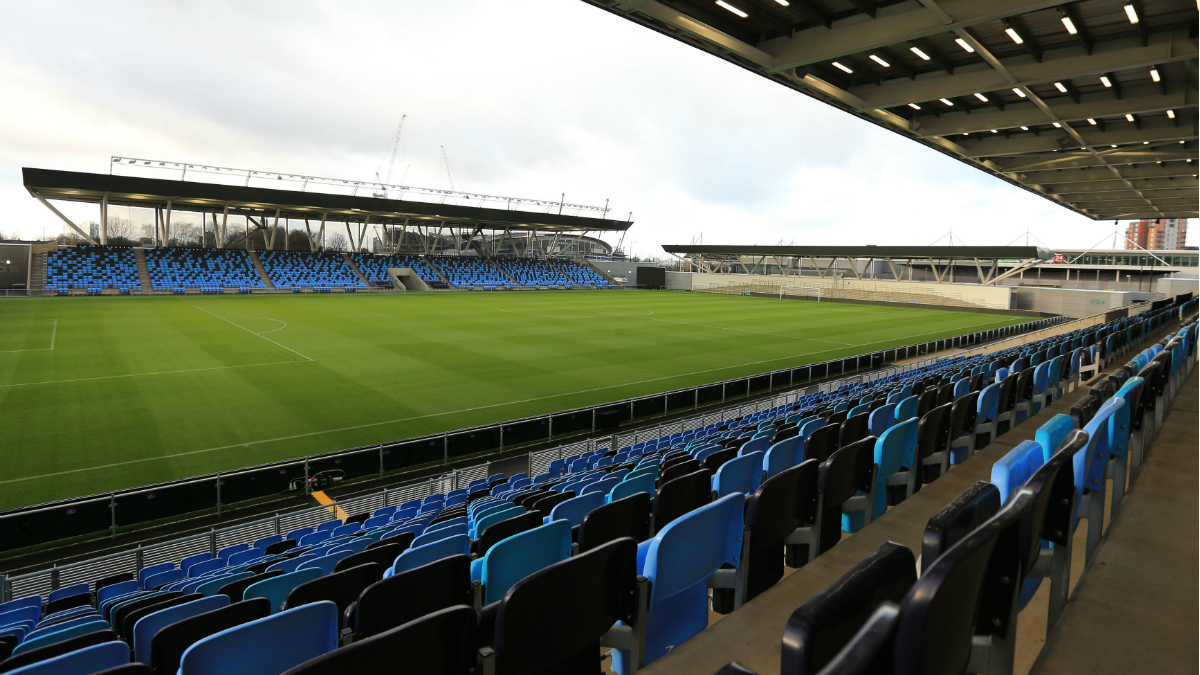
336	241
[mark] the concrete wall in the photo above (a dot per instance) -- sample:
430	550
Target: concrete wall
999	297
14	266
1176	285
1071	302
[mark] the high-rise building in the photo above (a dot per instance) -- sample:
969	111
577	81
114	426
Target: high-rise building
1158	234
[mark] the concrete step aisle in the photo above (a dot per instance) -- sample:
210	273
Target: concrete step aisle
143	270
262	271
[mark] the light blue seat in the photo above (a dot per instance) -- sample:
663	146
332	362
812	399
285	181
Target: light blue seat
987	411
882	419
495	516
297	534
781	456
807	426
1051	434
1012	470
603	486
739	475
273	644
114	590
651	470
329	526
431	535
678	561
512	559
861	408
387	511
211	587
147	626
575	509
84	661
416	557
147	572
348	528
1119	428
90	617
402	530
757	444
325	563
291	564
167	577
703	453
186	563
906	409
632	485
962	388
894	449
1090	467
276	589
54	637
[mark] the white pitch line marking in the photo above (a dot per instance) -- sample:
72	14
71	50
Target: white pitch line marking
53	333
161	372
416	417
253	333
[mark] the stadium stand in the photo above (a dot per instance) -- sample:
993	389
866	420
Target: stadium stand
210	270
470	272
92	268
319	271
533	273
375	268
647	552
582	274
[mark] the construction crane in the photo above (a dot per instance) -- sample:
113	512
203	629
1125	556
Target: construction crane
449	172
391	158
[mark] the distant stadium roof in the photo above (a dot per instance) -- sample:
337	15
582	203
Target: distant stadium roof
919	252
182	195
1091	104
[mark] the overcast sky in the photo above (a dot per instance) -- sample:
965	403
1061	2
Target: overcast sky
531	98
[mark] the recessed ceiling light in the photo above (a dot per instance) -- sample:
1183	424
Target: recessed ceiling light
1154	74
1018	92
914	106
946	101
1057	125
963	43
918	52
1091	121
1070	26
1059	86
1013	34
1171	114
1114	146
994	131
1145	142
1024	128
880	61
841	67
785	3
1131	13
1104	81
966	134
1129	117
981	97
735	10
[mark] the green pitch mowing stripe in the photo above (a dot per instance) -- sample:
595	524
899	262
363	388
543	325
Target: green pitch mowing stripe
142	390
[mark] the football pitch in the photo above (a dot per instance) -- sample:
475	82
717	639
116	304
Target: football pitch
105	393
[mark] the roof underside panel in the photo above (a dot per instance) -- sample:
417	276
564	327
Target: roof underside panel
255	202
1032	92
914	252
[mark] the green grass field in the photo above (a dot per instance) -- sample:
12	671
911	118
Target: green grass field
106	393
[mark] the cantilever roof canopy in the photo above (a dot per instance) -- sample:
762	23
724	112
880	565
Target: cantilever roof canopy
705	256
210	198
1074	101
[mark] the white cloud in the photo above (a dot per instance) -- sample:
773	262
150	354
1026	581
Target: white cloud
530	98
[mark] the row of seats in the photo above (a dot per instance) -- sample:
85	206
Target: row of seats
582	274
92	268
960	614
470	272
533	273
375	268
176	269
298	269
723	518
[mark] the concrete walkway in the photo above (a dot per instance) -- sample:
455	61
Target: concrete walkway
1137	610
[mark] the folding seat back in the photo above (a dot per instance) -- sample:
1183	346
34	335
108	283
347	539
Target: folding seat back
527	498
261	543
340	588
544	505
681	495
270	645
120	613
629	486
574	510
230	550
671	471
772	513
382	552
352	545
882	419
975	506
1015	467
741	474
412	594
962	388
297	534
292	564
855	428
603	486
433	534
926	402
504	529
861	409
416	557
552	620
324	563
967	591
314	538
443	642
91	659
818	630
628	516
517	557
143	574
41	655
781	455
494	516
276	589
678	562
711	462
933	440
1084	409
809	425
895	449
130	620
145	629
907	408
836	418
114	590
821	443
34	640
239	558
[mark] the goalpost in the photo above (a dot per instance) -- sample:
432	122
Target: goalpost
802	291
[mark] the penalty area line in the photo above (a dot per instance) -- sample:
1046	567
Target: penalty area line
253	333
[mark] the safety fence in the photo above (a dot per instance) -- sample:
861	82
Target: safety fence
847	289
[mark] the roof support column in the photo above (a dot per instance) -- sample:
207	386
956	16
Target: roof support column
64	219
224	222
893	268
104	219
167	224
